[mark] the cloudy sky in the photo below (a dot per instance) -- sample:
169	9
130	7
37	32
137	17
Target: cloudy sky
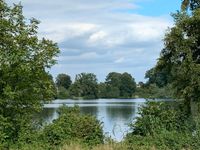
102	36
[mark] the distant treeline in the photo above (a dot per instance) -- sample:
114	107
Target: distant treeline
86	86
116	85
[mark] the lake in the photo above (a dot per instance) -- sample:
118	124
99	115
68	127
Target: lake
116	114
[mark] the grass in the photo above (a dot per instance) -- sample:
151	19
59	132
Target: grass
109	146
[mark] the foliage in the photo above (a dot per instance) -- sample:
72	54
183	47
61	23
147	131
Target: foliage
152	91
24	81
193	4
63	83
164	126
71	126
63	80
112	92
180	58
118	85
85	86
102	91
63	93
160	126
128	85
54	88
155	116
159	78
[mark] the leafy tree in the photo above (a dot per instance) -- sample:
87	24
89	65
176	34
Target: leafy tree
185	4
62	93
85	86
153	91
160	78
128	85
75	90
141	84
63	80
102	90
113	83
113	79
112	92
53	87
193	4
24	81
181	57
124	84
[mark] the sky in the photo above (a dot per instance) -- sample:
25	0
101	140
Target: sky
102	36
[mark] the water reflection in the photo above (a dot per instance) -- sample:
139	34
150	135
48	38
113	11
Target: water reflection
114	113
90	110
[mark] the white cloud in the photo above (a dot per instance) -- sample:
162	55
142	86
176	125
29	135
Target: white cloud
120	60
99	36
60	31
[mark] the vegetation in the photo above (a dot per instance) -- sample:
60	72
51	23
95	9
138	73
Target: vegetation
25	85
70	127
164	126
86	86
180	58
24	81
124	83
160	125
63	80
152	91
192	4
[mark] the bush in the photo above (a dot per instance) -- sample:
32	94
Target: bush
156	116
164	126
71	125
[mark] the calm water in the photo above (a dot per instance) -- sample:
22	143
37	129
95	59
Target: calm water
116	114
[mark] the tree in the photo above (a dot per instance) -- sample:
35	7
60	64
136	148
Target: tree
113	83
102	90
193	4
128	85
85	86
24	81
112	92
181	57
63	80
54	89
185	4
124	84
160	78
62	93
113	79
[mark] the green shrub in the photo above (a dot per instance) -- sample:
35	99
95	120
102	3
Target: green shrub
157	116
71	125
164	126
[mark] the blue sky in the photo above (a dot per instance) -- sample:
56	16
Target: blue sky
103	36
157	7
